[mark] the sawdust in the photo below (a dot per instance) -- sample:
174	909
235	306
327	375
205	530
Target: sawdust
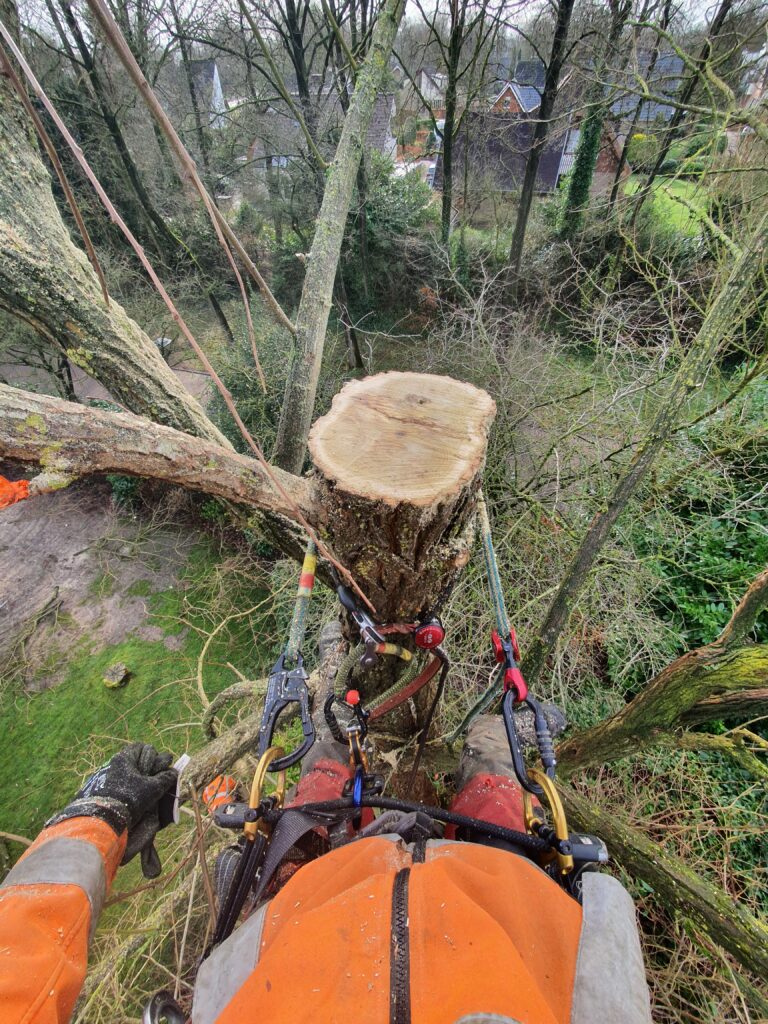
69	562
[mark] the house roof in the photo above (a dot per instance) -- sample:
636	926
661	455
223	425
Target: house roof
531	72
527	98
494	149
663	81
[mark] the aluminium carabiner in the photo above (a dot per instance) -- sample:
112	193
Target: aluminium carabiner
286	686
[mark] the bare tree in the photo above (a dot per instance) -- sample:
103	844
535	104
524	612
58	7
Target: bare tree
564	10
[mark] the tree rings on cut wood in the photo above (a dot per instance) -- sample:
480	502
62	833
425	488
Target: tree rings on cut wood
403	437
399	458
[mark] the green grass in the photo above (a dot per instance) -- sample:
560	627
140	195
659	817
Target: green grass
669	214
54	738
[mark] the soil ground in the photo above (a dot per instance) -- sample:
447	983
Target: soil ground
73	569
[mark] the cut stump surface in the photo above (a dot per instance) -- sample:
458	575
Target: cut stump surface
403	438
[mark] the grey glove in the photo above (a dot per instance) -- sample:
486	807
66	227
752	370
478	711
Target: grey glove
134	792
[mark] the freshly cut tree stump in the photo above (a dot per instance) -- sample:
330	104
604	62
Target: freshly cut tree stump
398	461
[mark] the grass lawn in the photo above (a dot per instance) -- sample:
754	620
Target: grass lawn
669	213
51	740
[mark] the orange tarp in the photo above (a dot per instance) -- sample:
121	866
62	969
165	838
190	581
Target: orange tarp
12	491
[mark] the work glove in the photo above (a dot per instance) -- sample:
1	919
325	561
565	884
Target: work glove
133	791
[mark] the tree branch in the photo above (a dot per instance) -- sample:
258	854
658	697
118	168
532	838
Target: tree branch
726	922
70	440
746	613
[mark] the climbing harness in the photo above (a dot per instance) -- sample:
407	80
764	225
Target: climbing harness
269	830
287	683
252	846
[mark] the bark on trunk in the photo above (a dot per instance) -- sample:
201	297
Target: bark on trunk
317	293
47	282
742	706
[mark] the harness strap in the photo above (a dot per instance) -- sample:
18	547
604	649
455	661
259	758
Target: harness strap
402	694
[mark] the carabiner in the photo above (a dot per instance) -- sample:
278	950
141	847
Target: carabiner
286	686
162	1006
543	741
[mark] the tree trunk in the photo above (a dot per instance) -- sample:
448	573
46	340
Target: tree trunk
588	148
449	127
201	130
47	282
157	226
398	461
551	83
317	293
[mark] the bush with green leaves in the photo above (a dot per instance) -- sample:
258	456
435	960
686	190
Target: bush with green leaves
399	212
643	151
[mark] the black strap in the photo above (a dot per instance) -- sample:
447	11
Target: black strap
287	832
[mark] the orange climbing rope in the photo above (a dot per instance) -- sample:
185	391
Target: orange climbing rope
12	491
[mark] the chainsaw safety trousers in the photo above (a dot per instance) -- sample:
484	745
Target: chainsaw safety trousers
50	902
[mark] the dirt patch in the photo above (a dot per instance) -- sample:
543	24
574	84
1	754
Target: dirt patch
76	571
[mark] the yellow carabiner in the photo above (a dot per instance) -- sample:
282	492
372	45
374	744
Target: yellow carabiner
257	786
559	820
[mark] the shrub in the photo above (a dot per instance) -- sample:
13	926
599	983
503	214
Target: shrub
643	151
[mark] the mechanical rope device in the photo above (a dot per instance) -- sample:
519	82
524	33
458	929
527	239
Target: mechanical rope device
287	683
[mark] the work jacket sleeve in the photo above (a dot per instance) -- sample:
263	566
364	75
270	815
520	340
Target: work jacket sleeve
49	907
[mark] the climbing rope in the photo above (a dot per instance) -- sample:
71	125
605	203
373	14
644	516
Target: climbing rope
298	628
492	569
505	641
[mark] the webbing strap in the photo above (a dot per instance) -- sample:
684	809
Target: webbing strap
407	691
287	832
